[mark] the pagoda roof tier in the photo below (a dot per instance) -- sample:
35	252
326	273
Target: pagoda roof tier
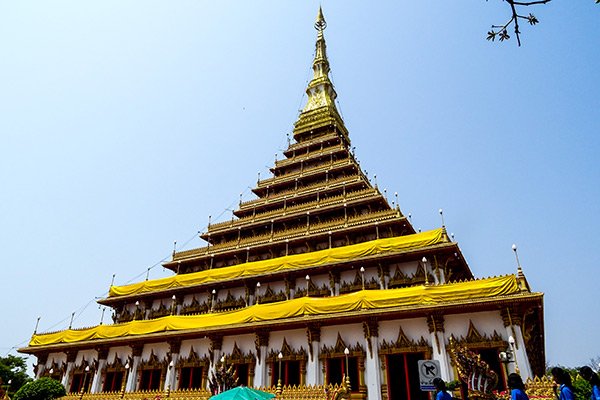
207	255
481	294
310	156
324	204
302	261
349	182
442	250
317	199
307	144
288	179
342	224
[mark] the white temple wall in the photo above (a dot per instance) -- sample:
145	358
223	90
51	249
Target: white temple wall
166	301
370	273
86	355
348	276
201	297
485	323
200	346
320	280
159	349
409	268
413	328
244	342
236	292
121	352
351	334
295	338
58	358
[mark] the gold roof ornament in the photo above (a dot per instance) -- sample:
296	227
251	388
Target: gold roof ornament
320	110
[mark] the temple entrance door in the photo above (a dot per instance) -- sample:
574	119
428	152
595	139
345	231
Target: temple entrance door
403	377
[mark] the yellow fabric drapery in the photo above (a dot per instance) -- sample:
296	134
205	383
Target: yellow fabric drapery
279	264
305	306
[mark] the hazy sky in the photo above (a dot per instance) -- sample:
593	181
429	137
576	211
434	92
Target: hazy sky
124	125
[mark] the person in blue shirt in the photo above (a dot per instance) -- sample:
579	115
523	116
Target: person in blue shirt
589	375
440	388
565	388
517	388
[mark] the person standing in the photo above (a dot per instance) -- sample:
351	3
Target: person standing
589	375
441	391
565	388
517	388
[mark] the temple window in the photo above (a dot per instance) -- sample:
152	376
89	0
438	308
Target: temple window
293	365
80	382
400	359
290	373
243	373
150	379
193	371
243	365
403	376
152	373
335	371
113	381
190	378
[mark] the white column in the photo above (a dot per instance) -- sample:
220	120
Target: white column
66	377
518	348
132	376
312	366
313	372
170	376
372	370
41	366
512	323
438	344
213	363
440	354
97	380
260	372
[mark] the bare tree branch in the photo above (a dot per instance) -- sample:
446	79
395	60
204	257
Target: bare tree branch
501	30
531	3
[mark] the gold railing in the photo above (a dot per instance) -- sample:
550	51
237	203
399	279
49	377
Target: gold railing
194	394
540	388
536	388
294	392
331	225
308	156
306	143
301	191
308	171
294	208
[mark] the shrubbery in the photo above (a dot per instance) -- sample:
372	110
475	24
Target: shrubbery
41	389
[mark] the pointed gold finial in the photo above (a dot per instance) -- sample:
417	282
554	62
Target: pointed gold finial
320	114
320	24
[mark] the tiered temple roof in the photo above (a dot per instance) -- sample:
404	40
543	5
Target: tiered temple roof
318	214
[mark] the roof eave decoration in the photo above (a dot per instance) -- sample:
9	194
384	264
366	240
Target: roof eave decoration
286	263
423	295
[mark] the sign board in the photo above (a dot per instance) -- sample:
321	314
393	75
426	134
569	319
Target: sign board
428	371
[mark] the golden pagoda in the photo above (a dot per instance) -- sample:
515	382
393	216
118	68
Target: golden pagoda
317	284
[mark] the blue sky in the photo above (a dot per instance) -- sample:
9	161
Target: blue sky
124	125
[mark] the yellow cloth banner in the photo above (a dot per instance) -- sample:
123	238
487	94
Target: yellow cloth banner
305	306
296	261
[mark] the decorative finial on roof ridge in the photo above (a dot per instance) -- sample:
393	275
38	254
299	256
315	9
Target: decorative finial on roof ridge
320	23
523	284
320	109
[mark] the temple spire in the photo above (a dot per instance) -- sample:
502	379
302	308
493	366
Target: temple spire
320	109
320	89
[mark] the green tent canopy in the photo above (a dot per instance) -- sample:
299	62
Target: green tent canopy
243	393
